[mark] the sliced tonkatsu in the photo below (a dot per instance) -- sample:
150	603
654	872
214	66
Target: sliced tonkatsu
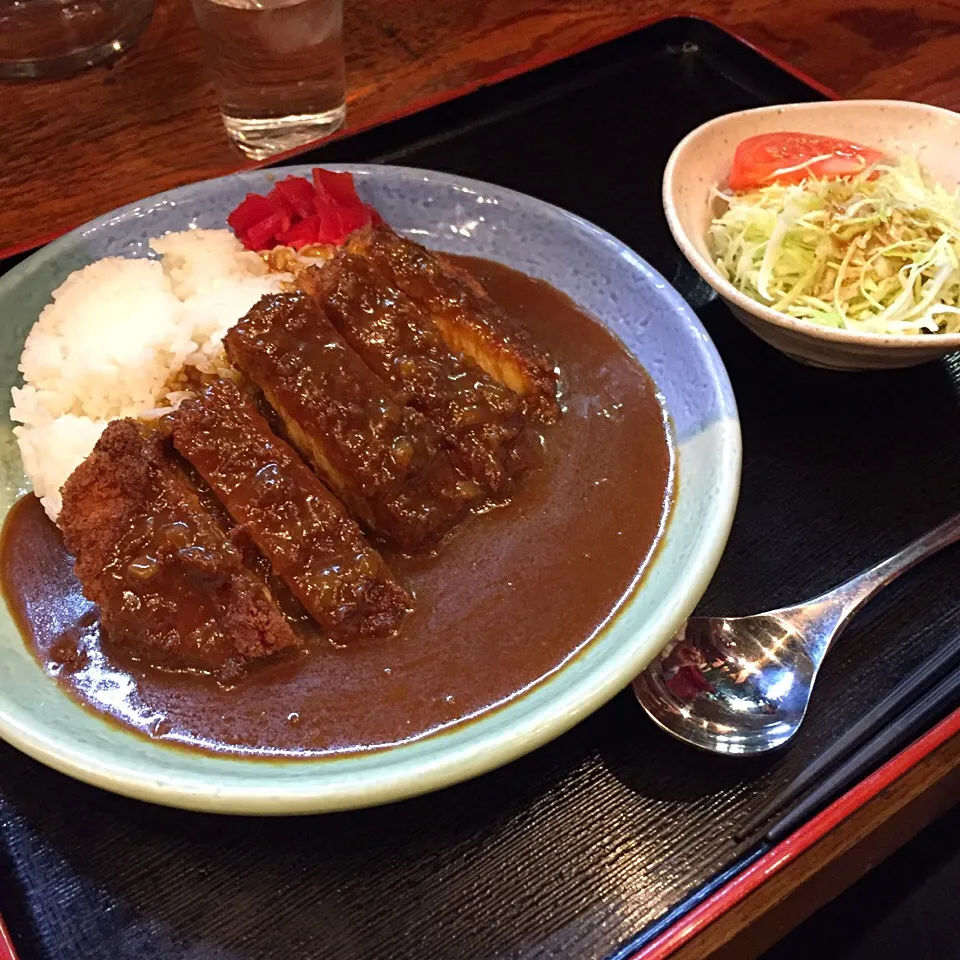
383	459
468	320
481	421
172	589
300	527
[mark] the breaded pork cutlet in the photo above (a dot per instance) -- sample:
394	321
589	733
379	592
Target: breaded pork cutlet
172	590
468	320
301	528
383	459
481	422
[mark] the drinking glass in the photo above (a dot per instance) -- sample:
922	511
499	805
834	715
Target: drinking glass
278	68
49	38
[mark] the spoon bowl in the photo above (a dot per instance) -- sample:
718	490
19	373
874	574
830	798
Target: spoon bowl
750	678
741	685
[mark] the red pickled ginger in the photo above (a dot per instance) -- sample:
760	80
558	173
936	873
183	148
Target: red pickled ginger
297	213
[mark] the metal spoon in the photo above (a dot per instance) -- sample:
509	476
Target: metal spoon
741	685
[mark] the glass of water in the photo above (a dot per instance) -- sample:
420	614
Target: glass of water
278	67
56	38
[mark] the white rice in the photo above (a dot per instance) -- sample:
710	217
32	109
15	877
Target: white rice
116	338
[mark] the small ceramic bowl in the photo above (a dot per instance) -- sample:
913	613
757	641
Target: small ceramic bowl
702	160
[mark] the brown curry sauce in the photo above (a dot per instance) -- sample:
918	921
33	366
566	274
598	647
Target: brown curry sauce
509	596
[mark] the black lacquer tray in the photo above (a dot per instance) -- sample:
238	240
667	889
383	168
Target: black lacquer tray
593	844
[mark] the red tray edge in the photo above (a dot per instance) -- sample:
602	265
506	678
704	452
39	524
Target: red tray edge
6	944
784	65
797	843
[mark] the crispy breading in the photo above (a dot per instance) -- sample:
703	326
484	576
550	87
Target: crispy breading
481	422
383	459
171	588
301	528
468	320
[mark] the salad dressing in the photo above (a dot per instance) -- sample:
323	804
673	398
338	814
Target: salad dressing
836	234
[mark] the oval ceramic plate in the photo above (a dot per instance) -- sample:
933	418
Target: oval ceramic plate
457	216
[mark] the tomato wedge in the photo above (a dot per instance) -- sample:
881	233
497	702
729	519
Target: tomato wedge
792	157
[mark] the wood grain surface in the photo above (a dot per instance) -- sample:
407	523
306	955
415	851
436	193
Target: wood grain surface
78	147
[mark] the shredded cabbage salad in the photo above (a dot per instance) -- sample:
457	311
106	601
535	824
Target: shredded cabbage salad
877	253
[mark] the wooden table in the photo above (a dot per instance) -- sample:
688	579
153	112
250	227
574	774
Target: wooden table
78	147
82	146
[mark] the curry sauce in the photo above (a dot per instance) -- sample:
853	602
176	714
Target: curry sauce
508	597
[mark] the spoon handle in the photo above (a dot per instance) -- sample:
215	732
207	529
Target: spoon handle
831	611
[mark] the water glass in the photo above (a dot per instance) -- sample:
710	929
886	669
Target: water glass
54	38
278	68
